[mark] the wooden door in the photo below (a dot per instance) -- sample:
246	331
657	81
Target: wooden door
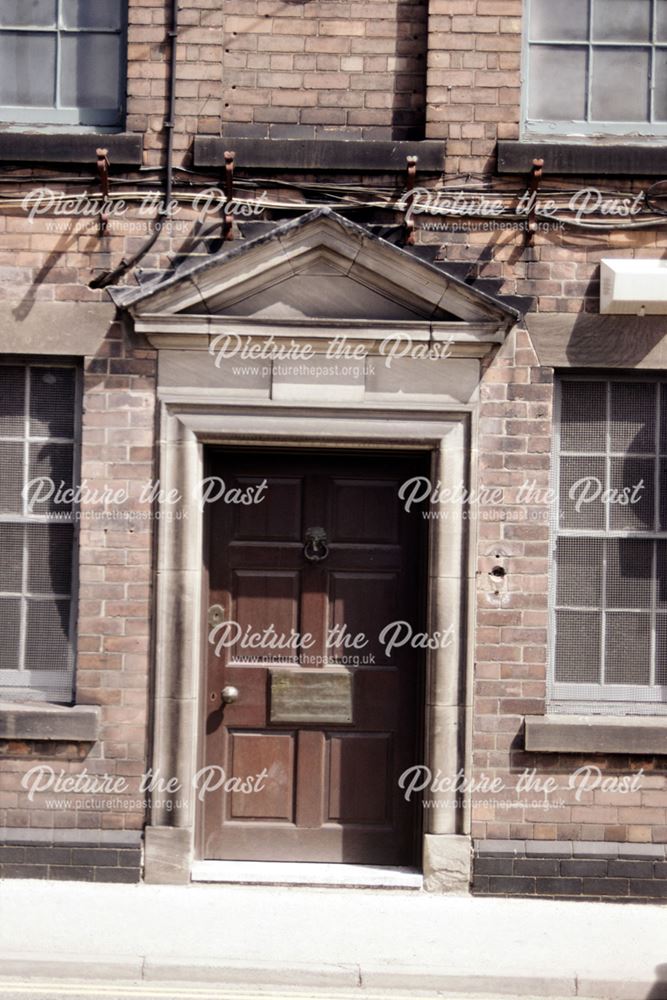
327	715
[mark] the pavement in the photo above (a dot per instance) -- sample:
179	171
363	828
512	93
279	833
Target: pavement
268	941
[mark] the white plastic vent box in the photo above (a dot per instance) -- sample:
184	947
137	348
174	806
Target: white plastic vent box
633	287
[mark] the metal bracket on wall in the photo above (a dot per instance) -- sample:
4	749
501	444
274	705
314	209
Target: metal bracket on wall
230	158
534	181
410	182
103	175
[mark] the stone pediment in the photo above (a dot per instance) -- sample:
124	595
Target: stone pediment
319	272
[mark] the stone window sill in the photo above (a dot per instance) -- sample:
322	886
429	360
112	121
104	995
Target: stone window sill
40	721
596	734
596	158
358	155
125	148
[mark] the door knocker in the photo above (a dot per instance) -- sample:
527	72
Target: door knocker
316	548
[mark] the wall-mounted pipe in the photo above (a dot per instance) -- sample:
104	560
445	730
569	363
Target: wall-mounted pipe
164	213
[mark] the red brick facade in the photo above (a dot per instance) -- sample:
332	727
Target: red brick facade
446	70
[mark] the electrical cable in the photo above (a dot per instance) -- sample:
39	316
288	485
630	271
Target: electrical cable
107	278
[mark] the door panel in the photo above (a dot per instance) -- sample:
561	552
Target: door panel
279	519
262	601
364	511
359	777
363	604
328	789
252	753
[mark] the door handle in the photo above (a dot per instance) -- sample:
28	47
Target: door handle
229	694
216	614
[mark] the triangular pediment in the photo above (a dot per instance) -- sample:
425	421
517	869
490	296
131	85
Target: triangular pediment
319	287
316	269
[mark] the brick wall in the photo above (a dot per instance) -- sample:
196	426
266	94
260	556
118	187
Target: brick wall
473	92
199	86
82	855
300	69
281	68
580	870
113	654
511	666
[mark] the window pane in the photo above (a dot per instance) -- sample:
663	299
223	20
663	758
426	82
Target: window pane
632	505
631	580
633	414
47	639
629	573
582	482
663	418
557	83
23	13
579	563
91	13
566	20
90	71
662	511
11	560
660	97
620	87
583	416
28	69
661	651
52	402
10	618
50	558
622	20
661	582
11	477
628	649
578	647
661	20
53	464
12	395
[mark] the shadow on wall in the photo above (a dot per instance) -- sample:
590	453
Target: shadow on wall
409	107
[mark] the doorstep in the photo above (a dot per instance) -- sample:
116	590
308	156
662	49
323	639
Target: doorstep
306	873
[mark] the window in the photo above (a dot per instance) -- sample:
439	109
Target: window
37	530
596	66
609	607
62	61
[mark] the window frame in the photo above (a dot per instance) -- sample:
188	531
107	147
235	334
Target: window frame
587	698
13	684
536	128
86	119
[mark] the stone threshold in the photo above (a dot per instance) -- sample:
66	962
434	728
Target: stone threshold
306	873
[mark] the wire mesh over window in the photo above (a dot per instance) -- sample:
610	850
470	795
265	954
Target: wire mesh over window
38	453
610	588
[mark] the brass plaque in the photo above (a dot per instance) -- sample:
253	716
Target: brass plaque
311	696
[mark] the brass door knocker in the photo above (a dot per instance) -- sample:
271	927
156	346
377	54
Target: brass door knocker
316	548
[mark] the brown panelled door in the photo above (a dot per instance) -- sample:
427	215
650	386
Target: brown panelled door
313	683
